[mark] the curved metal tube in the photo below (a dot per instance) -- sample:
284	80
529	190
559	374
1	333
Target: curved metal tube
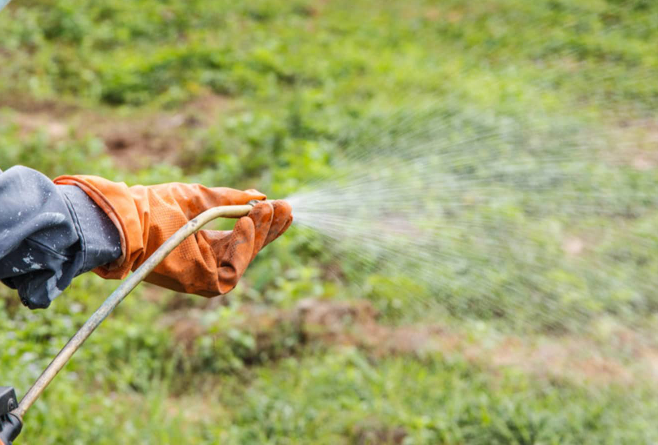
119	294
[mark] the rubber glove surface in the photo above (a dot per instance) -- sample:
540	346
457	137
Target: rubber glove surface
208	263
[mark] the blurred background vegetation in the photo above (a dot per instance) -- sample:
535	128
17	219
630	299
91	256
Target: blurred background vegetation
265	94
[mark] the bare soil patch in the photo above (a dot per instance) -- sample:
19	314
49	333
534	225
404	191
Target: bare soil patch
135	140
329	323
374	432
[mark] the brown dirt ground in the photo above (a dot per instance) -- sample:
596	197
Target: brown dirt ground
373	432
356	323
134	140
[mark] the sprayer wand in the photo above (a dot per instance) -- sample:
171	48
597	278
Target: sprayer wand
11	416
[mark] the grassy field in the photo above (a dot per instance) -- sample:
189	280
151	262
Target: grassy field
267	94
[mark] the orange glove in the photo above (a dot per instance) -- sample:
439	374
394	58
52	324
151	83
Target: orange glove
207	263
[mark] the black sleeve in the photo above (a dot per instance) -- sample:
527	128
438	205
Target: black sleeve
49	234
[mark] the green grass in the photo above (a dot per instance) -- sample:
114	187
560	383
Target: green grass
305	81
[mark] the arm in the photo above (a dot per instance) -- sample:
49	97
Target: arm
49	234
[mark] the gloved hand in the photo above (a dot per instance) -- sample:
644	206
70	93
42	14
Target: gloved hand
208	263
10	428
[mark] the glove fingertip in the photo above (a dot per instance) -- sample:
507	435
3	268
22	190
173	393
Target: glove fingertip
255	194
283	206
281	221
